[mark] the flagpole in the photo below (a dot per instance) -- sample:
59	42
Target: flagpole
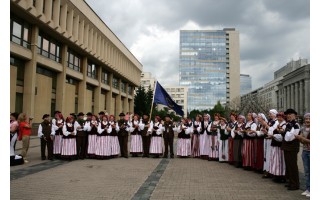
152	101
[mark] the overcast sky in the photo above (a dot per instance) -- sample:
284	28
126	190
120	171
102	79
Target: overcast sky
272	32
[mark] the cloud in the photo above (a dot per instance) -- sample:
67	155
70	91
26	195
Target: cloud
271	32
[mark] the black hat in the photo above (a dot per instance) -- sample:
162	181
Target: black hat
290	111
74	115
15	115
167	115
122	114
89	113
45	116
57	111
101	113
80	114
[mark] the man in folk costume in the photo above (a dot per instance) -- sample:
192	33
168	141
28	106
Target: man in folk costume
135	129
46	135
103	142
168	136
205	147
184	141
259	142
248	142
123	135
270	126
156	138
196	127
81	137
290	146
231	124
101	114
213	138
277	165
57	125
237	135
113	131
69	146
91	127
146	135
223	141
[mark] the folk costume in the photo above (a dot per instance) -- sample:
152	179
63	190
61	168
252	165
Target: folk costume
223	143
92	129
195	146
237	135
123	136
81	138
184	140
57	125
248	144
213	132
231	125
69	146
114	141
135	128
168	136
46	134
103	141
146	136
156	139
205	142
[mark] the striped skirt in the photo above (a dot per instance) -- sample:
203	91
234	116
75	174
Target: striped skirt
92	142
230	151
213	148
267	148
258	154
57	144
156	145
237	151
103	146
277	164
248	153
69	147
183	147
195	151
204	144
136	144
115	147
223	150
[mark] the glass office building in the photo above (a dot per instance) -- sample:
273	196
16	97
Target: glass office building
205	66
245	84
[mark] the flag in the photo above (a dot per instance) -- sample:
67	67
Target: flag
162	97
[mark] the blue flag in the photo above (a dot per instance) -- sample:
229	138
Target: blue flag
162	97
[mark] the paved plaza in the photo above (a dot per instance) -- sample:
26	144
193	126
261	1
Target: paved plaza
140	178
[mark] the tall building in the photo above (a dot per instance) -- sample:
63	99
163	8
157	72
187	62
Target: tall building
64	57
209	66
290	67
245	84
147	80
179	94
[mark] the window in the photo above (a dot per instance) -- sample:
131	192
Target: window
20	32
20	70
92	70
130	89
123	87
104	77
115	83
49	48
73	61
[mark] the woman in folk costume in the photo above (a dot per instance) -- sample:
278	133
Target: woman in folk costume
231	124
103	146
92	128
184	139
237	135
156	138
69	146
270	126
195	150
248	142
135	138
57	125
213	138
223	140
204	137
114	141
277	165
259	142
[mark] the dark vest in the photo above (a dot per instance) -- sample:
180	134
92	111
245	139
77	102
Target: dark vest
237	136
156	127
183	134
82	133
59	131
113	130
94	130
245	136
136	130
46	129
195	128
231	125
275	143
204	128
105	132
294	144
70	129
123	124
223	135
145	130
168	129
214	132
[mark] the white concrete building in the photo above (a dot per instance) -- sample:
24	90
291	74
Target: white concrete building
148	80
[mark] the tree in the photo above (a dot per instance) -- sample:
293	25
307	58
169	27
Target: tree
149	98
140	101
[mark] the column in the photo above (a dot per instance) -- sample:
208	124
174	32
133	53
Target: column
301	97
48	10
118	100
94	47
284	98
288	96
98	105
109	94
56	12
86	36
75	28
61	81
126	103
83	86
63	18
296	97
90	41
39	7
307	95
292	96
30	76
81	32
70	22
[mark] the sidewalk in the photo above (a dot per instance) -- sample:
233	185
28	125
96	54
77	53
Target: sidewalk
139	178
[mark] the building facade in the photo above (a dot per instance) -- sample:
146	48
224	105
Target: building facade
64	57
245	84
147	80
209	65
180	95
289	67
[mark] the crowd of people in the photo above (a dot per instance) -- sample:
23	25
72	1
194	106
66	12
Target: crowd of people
269	146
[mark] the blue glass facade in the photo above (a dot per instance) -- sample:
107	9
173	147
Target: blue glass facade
203	67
